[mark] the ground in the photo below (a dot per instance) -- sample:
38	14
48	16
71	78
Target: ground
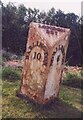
67	106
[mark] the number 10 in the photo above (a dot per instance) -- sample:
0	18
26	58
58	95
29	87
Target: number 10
37	56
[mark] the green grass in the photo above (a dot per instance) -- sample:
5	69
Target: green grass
72	96
68	105
73	79
10	73
73	75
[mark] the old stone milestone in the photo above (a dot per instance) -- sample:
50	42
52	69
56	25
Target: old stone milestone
44	61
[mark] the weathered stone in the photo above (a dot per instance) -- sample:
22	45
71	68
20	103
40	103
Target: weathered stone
44	61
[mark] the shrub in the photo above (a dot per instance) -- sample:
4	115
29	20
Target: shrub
81	72
72	75
73	80
0	59
6	55
9	73
0	72
14	57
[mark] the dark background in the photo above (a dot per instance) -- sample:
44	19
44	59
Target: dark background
15	26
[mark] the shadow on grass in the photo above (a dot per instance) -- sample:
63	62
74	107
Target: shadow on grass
76	83
54	109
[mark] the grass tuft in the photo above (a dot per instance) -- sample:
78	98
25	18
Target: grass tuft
73	80
9	73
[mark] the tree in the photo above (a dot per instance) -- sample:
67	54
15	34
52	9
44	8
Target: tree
15	27
14	32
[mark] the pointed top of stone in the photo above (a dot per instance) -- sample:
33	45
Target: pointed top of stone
52	34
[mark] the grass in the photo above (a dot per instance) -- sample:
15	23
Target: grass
68	105
72	75
10	73
0	98
72	96
73	79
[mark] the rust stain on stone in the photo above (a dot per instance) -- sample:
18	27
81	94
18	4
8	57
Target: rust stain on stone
44	61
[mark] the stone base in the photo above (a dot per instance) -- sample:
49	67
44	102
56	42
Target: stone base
30	100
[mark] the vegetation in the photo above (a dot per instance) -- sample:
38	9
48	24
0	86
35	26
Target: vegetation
10	73
73	79
15	27
6	56
74	75
68	105
0	72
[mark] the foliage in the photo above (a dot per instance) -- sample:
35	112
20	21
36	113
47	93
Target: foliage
73	80
82	72
71	75
0	72
10	73
14	57
68	105
16	22
6	55
0	59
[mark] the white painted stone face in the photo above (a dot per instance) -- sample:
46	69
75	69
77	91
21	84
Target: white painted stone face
44	61
54	76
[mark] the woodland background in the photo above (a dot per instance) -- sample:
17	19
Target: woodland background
15	27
